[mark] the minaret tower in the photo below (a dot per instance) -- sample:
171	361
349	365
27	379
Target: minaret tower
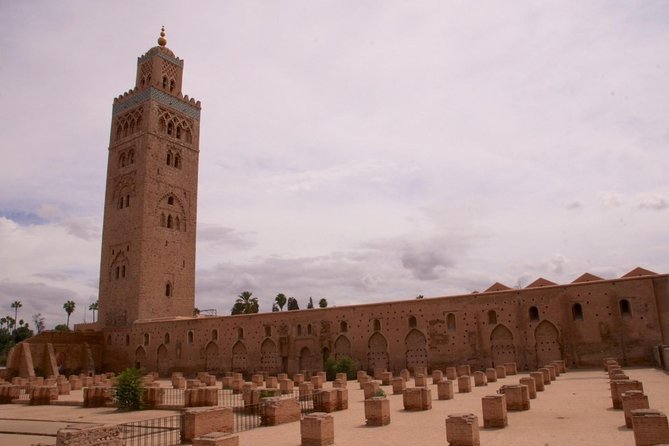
147	268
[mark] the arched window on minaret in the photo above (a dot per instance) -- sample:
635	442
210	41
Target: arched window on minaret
131	157
170	200
169	221
165	82
177	224
143	80
120	202
169	159
170	128
161	125
172	85
121	160
177	161
168	289
178	132
127	200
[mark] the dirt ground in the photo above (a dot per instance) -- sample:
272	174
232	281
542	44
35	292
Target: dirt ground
575	409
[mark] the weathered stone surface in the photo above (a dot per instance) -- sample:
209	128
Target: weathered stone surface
462	429
317	429
377	411
196	422
87	435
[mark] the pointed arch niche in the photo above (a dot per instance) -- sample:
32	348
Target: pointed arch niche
269	357
342	347
416	350
239	357
547	339
502	348
377	352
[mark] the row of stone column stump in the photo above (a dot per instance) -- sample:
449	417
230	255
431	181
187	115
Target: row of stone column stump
43	391
650	426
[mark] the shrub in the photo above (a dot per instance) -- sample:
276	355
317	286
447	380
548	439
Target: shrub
344	365
380	393
129	390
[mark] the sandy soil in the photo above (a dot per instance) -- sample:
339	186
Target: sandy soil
574	410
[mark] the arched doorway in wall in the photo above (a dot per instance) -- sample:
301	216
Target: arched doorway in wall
305	359
377	352
416	349
239	357
140	357
502	348
342	347
60	361
162	362
269	357
211	357
547	340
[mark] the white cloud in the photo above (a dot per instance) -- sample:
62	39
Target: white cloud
652	201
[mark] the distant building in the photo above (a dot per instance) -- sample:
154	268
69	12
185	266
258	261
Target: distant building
147	276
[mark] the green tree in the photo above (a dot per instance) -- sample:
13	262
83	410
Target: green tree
38	320
246	304
69	309
323	303
61	327
129	390
310	304
280	300
16	305
93	307
292	304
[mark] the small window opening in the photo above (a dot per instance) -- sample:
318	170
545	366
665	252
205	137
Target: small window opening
123	271
170	128
146	339
309	329
169	221
127	339
299	330
492	317
534	314
412	321
177	161
164	81
127	200
117	271
377	325
450	322
190	337
168	289
577	312
172	83
214	335
240	333
268	331
169	159
167	338
170	200
625	309
343	326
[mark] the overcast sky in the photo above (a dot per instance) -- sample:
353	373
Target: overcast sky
359	151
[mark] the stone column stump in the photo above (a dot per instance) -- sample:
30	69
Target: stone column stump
445	390
437	376
196	422
618	387
517	397
271	382
317	429
494	411
547	375
217	439
278	410
286	386
306	391
531	386
405	374
298	378
464	370
510	368
386	377
633	399
420	380
317	381
325	400
501	371
551	371
398	385
341	377
464	384
650	427
342	399
491	375
451	373
538	378
370	388
480	379
377	411
462	429
417	398
338	384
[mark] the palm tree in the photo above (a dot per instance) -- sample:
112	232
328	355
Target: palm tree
93	307
323	303
245	304
16	305
280	300
69	309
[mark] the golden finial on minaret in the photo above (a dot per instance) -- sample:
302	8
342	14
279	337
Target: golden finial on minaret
162	41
